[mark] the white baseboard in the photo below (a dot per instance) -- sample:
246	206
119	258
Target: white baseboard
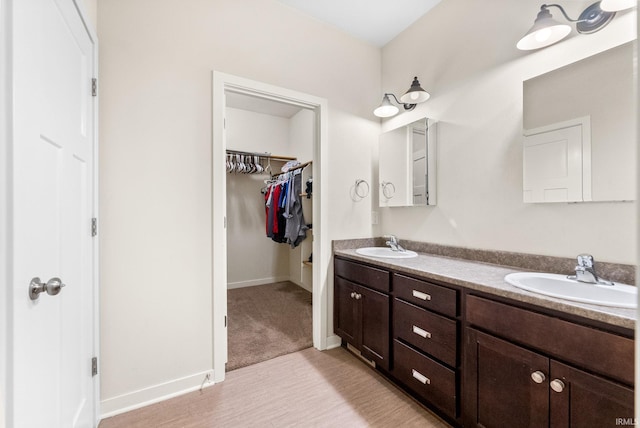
253	282
333	342
154	394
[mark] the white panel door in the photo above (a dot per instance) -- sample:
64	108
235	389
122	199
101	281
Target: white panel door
553	166
53	159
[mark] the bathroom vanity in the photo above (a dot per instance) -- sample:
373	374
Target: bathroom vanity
480	352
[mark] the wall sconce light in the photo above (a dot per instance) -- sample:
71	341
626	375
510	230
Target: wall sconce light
413	96
547	31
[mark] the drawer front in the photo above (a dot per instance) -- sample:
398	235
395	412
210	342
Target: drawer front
377	279
596	350
428	379
431	333
426	295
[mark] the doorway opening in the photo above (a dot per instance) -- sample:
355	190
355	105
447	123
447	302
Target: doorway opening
269	228
256	127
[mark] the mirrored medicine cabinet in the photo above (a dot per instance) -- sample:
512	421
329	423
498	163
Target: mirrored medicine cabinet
407	166
580	130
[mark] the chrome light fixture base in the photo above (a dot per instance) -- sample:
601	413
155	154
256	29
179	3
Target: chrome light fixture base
593	19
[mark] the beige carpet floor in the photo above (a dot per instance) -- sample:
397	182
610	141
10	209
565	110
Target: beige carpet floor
304	389
267	321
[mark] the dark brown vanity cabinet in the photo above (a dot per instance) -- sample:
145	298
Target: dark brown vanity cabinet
362	309
533	370
485	361
425	341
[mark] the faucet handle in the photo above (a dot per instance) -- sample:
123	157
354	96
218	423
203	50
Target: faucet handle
585	260
391	238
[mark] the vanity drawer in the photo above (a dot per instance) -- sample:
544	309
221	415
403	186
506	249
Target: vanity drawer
377	279
605	353
428	379
426	295
431	333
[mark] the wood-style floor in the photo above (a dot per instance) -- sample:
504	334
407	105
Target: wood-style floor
308	388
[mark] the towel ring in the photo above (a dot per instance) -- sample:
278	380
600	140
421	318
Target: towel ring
359	193
386	185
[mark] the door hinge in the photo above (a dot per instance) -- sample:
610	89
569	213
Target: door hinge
94	87
94	226
94	366
225	321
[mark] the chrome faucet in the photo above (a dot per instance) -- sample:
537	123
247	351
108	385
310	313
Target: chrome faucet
586	271
393	243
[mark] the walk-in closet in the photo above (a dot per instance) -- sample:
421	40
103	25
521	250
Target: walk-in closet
269	159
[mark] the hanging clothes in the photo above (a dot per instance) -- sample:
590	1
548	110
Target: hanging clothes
296	227
283	209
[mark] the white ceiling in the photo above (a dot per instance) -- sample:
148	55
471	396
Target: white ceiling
375	21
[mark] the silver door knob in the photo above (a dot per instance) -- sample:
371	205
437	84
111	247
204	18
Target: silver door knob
52	287
557	385
538	376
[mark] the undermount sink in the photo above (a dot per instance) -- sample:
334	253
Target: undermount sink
386	252
617	295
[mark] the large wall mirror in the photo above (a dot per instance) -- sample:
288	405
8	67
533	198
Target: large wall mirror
407	170
579	127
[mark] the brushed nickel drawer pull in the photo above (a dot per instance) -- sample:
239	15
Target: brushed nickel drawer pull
420	377
420	332
421	295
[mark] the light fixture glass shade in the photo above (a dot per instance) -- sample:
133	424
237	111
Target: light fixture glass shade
545	32
386	109
617	5
415	94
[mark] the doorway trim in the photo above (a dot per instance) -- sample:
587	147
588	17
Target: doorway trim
222	83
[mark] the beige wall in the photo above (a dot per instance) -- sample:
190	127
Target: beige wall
156	58
464	54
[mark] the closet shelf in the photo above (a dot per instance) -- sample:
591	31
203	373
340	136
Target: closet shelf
306	263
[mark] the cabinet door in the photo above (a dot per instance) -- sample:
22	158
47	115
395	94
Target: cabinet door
582	400
345	311
375	326
499	388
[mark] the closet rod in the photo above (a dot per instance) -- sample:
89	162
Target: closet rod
302	165
262	155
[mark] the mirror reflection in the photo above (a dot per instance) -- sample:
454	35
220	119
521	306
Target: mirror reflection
407	174
593	99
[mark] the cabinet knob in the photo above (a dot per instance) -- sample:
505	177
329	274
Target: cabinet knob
353	295
358	296
557	385
538	376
